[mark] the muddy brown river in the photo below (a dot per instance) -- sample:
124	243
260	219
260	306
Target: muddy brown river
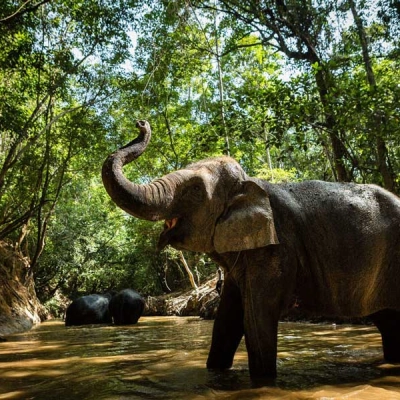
164	358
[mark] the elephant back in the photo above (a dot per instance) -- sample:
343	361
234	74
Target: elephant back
90	309
126	307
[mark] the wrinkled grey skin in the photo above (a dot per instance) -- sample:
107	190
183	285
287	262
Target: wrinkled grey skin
332	248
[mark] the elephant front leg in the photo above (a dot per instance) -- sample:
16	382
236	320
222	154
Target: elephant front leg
261	342
262	306
228	328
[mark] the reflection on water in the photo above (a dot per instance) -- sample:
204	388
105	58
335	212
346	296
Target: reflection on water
164	358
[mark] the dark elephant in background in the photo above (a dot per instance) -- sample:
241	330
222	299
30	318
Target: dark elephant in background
90	309
332	248
126	307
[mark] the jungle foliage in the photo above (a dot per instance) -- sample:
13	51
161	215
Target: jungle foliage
293	89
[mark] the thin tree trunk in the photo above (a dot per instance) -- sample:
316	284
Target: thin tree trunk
267	150
188	271
383	163
221	88
338	148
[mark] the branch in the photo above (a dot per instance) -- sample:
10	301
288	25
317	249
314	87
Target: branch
267	17
21	11
240	46
15	224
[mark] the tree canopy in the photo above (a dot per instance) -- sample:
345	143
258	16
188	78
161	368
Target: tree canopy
293	89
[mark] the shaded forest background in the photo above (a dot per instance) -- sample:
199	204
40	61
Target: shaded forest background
293	89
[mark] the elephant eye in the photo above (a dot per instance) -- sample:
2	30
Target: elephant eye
193	193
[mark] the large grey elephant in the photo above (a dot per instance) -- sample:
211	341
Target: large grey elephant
332	248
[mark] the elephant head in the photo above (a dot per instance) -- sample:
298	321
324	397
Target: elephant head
211	205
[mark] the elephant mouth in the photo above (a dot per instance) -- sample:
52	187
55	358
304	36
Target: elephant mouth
167	235
179	233
170	223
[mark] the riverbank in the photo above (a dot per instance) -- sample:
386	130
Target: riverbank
20	309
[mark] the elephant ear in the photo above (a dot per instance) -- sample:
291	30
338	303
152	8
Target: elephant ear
247	222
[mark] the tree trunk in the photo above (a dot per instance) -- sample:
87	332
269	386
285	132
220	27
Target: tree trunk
266	141
322	78
383	163
188	271
221	87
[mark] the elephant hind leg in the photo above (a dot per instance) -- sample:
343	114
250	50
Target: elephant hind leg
388	323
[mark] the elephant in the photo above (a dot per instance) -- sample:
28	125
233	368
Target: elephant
90	309
330	248
126	307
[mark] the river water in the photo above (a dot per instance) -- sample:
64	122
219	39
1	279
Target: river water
164	358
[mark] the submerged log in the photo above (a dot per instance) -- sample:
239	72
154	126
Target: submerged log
202	302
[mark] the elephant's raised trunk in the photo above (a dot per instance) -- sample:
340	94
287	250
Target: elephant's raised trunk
151	201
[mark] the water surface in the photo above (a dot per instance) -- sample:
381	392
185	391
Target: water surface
164	358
